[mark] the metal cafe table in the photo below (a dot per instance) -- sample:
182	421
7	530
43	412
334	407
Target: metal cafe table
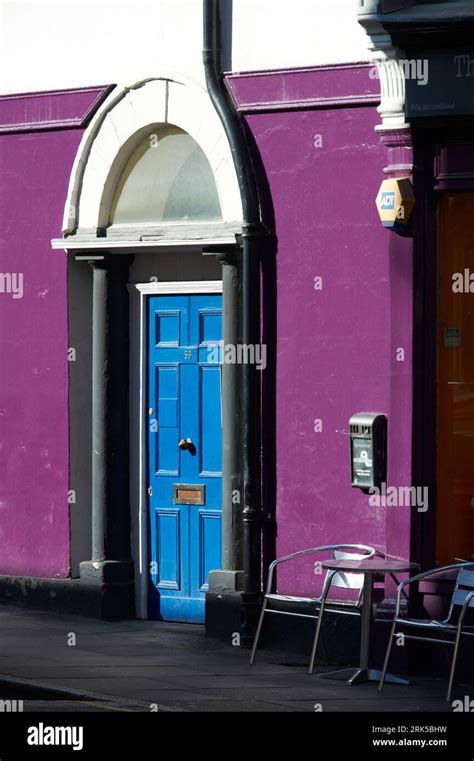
369	568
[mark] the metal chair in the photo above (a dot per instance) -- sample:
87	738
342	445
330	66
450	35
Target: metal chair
462	599
333	579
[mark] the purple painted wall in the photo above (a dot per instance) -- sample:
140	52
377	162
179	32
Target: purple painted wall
34	457
335	347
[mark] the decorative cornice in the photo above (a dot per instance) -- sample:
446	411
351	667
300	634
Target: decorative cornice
305	88
386	59
392	89
55	109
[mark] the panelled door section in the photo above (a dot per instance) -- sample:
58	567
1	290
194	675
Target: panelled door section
184	452
455	467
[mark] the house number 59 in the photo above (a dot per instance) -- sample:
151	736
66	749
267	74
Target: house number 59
187	354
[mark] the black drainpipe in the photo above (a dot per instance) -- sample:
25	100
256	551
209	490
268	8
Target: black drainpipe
253	239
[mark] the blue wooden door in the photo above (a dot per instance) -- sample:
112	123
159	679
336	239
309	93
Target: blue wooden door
185	484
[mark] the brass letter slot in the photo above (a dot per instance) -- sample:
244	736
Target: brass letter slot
188	494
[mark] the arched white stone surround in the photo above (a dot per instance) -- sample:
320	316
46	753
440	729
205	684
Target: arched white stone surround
120	123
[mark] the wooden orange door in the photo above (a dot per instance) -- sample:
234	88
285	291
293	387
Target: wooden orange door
455	445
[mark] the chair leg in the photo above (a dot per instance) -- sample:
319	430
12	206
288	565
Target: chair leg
316	638
453	664
387	656
257	633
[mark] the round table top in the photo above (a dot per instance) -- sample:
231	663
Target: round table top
371	565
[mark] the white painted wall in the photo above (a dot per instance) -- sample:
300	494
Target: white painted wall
274	34
49	44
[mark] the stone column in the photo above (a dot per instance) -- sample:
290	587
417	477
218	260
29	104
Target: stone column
111	565
225	584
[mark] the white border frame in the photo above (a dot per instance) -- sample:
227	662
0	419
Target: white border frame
138	331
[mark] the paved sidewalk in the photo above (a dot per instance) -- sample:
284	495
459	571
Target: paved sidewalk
132	664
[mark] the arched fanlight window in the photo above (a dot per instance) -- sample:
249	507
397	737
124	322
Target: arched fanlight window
167	178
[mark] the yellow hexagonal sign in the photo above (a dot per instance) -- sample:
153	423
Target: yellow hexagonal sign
395	202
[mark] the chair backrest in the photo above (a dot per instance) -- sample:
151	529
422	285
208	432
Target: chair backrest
464	587
349	580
